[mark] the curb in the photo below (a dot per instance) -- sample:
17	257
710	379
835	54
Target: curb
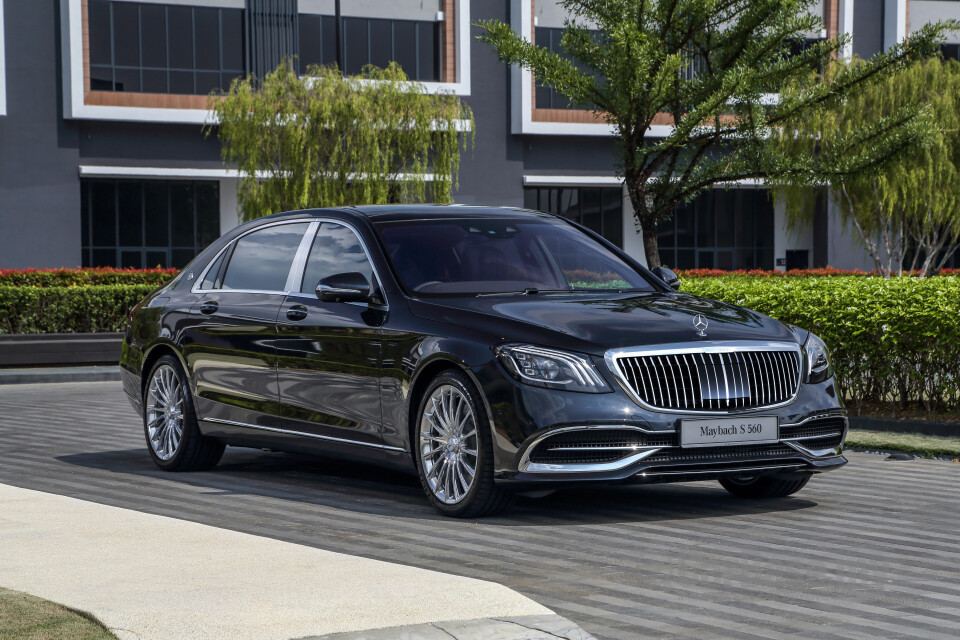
542	627
918	427
60	374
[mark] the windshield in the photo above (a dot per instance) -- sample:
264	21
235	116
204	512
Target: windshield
491	255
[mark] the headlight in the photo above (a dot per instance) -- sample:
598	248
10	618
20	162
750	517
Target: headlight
818	359
551	369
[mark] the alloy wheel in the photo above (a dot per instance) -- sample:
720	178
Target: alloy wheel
165	412
448	444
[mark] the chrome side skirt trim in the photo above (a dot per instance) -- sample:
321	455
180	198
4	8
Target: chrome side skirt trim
288	432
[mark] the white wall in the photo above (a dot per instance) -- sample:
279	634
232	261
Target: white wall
632	239
926	11
396	9
844	250
785	240
229	211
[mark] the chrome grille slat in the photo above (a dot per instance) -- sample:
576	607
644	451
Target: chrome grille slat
712	380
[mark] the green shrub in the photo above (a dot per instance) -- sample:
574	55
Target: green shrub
83	277
896	339
100	308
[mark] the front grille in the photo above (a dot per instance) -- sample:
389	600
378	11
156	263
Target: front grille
712	381
595	445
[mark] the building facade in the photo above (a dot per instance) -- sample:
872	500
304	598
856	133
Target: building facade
104	160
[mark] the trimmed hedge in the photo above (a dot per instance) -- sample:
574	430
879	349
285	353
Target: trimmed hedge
84	277
792	273
896	339
87	309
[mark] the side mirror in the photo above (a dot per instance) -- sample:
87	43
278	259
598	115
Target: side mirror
344	287
668	276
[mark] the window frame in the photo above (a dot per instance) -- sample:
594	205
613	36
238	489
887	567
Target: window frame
297	268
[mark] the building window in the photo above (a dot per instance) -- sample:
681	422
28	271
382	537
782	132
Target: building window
950	51
720	229
598	209
147	223
155	48
413	44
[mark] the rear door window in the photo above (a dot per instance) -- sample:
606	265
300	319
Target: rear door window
262	259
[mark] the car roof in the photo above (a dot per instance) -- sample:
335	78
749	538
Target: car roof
396	212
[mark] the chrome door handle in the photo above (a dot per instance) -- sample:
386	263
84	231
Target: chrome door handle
298	312
209	307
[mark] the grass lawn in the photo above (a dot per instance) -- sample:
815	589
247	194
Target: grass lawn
24	617
926	446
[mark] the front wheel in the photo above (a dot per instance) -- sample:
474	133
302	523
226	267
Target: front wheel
170	423
454	450
764	487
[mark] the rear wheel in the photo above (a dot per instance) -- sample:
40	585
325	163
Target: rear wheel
764	487
170	423
454	450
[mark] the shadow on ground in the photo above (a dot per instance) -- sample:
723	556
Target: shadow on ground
369	489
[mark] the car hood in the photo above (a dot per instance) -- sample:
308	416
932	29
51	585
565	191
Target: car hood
595	323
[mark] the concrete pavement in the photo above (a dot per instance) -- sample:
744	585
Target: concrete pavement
152	577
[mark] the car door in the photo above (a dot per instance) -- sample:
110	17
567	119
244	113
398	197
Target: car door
231	346
329	352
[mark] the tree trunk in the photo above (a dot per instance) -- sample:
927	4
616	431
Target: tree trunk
650	247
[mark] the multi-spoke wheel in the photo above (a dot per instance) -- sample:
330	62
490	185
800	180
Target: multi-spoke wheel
170	424
454	451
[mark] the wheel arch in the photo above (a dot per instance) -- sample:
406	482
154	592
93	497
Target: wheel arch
156	352
425	374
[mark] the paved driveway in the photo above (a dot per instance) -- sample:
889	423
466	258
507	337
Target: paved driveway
870	551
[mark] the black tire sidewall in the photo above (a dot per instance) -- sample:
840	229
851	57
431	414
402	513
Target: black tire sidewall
190	429
483	480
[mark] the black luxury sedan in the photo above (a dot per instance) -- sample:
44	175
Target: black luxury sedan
492	350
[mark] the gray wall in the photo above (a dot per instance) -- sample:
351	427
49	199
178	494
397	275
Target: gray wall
867	27
39	190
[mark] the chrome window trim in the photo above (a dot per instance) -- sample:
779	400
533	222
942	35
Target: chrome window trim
720	347
303	434
298	267
300	258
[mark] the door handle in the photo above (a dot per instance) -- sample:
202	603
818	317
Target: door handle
297	312
209	307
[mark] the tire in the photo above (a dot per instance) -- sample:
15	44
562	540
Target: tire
764	487
170	421
444	459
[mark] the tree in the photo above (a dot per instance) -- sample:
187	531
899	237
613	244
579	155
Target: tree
714	67
327	140
912	203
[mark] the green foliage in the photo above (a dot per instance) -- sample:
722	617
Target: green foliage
924	446
710	65
326	140
82	309
895	339
83	277
912	201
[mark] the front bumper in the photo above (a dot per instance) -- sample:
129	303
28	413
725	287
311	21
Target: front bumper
813	427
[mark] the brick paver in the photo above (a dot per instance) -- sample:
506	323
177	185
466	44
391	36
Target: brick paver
869	551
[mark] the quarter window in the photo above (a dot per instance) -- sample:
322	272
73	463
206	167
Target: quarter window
262	259
413	44
146	223
155	48
335	249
